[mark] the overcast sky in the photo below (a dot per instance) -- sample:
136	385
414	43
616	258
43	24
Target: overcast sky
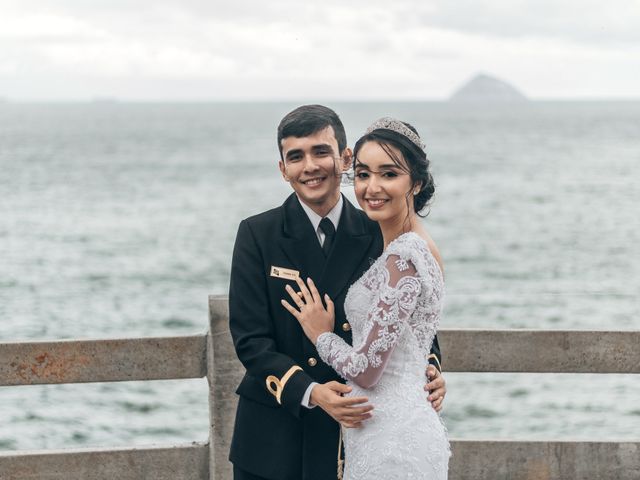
329	50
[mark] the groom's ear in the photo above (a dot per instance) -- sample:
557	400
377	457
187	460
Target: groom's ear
283	170
347	159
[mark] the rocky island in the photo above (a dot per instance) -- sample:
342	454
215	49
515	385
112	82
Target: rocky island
486	89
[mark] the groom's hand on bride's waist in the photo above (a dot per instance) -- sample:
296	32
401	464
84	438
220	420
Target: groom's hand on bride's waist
350	412
436	388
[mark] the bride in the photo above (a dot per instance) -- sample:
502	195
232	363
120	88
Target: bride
394	310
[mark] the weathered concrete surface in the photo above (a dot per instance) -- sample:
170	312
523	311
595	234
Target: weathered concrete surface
540	351
512	460
79	361
188	462
225	373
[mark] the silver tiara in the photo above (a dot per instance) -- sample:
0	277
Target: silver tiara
388	123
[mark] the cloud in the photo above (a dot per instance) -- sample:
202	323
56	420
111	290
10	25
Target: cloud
583	21
48	27
351	50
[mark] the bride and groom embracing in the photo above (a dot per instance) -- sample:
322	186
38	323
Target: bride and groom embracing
322	292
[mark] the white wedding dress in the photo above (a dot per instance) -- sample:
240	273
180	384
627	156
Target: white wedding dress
394	310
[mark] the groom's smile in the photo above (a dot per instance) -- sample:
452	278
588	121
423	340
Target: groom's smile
314	182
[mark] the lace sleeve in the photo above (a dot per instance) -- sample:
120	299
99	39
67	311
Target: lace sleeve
395	302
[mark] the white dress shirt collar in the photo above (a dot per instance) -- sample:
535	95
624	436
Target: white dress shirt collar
333	215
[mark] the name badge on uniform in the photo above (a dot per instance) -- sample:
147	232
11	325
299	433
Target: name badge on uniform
284	273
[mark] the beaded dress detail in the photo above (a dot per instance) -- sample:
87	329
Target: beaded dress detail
394	311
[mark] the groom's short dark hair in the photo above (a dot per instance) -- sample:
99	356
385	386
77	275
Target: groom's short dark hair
309	119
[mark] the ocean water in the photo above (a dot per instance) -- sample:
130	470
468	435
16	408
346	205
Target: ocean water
118	219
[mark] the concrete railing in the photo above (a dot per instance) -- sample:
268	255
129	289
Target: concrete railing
81	361
212	355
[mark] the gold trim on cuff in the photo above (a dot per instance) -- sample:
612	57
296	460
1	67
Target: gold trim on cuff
276	385
435	357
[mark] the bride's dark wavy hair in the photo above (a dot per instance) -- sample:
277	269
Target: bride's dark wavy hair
416	163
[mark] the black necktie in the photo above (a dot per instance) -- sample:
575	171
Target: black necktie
329	233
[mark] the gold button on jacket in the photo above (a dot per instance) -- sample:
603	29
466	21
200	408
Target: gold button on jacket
312	362
346	327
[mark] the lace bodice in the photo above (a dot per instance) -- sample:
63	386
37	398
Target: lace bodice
394	311
399	297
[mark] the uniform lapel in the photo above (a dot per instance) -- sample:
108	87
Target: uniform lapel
300	243
351	245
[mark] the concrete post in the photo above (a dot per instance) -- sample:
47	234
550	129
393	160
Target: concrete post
224	374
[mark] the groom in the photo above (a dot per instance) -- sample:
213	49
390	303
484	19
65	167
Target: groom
290	401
